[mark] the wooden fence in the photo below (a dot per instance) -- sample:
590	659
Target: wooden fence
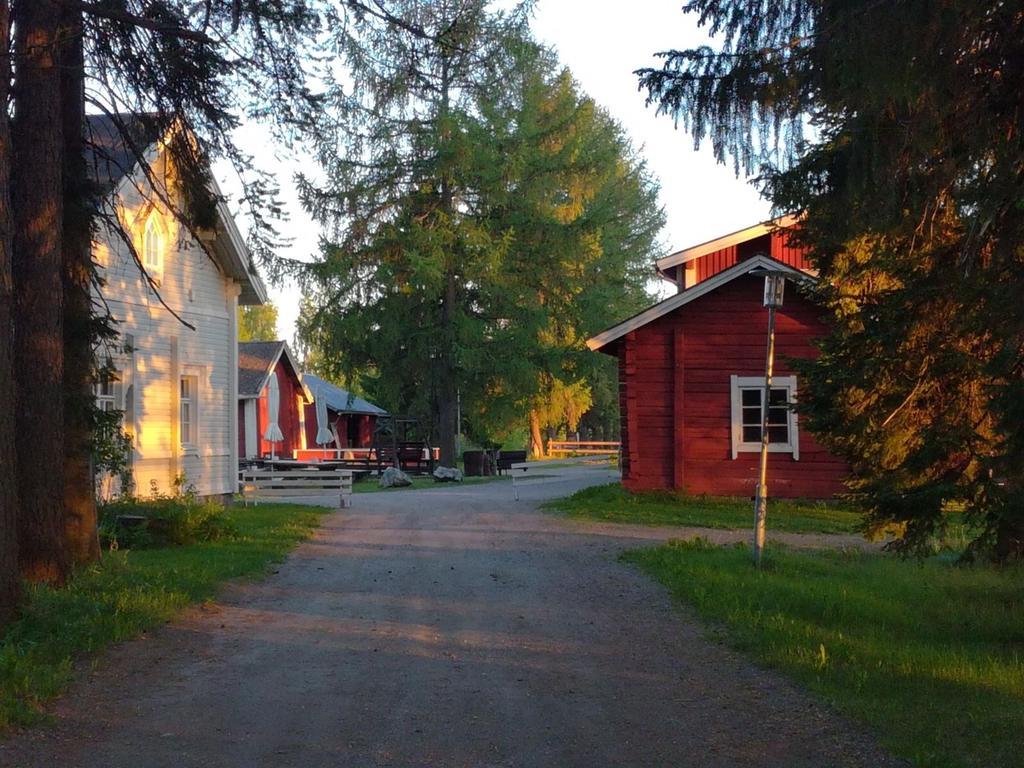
583	447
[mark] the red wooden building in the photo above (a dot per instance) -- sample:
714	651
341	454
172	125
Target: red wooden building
691	375
267	371
351	420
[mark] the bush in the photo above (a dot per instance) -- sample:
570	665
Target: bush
162	521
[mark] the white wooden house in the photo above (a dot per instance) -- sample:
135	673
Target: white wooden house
177	386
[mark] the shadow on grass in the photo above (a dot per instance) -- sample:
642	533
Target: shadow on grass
128	593
928	654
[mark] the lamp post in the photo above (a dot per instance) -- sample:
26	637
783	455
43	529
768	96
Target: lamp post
774	284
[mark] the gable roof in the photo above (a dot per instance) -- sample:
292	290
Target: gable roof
690	294
340	400
110	160
256	361
108	155
733	238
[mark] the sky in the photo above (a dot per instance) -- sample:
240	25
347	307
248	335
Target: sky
602	42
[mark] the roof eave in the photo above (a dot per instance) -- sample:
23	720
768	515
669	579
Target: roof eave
598	342
733	238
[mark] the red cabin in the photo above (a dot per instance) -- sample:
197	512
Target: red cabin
350	422
691	375
267	372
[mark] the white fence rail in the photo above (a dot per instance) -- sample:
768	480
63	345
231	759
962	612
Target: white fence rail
271	484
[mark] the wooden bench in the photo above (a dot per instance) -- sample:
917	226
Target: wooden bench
507	458
271	484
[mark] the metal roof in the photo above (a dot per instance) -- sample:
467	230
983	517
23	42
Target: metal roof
338	399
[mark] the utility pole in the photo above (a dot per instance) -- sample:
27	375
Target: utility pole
774	284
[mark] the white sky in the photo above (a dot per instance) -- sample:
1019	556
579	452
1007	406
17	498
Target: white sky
602	42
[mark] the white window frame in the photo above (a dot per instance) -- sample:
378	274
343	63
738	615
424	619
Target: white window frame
107	395
740	383
153	235
192	444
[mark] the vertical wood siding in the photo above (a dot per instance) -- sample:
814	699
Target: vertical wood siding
775	244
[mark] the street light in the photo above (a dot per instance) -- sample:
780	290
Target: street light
774	285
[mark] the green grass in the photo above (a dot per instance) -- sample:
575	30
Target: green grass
928	654
612	503
128	593
419	482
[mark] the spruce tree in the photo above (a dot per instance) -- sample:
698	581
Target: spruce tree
895	128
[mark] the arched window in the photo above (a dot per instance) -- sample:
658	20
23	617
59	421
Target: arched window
151	245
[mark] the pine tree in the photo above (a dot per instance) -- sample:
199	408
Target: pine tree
910	183
9	574
191	74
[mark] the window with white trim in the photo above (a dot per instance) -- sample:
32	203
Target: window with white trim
106	395
189	412
152	247
747	397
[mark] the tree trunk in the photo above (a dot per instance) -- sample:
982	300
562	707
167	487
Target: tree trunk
448	388
9	578
36	199
1009	540
536	439
80	524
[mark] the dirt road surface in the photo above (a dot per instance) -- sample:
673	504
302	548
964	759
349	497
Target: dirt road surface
442	627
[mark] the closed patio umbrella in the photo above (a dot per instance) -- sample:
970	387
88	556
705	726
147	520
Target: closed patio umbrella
273	432
323	427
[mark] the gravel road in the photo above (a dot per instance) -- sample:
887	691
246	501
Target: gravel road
442	628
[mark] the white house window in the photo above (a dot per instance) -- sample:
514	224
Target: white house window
747	395
189	423
152	256
106	395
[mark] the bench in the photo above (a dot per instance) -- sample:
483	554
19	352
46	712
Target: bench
507	458
271	484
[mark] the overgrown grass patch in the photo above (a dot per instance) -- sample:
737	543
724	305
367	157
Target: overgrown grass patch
928	654
612	503
129	592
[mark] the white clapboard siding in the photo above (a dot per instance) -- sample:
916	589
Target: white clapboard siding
195	288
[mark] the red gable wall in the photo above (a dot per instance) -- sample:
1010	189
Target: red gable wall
775	244
675	396
288	413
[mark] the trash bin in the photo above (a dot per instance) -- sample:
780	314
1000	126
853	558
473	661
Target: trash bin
478	463
473	462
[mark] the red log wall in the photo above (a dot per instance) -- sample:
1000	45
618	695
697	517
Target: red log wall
676	400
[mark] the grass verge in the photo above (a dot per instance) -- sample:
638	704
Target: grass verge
128	593
928	654
612	503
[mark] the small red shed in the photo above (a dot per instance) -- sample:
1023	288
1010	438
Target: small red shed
691	375
267	371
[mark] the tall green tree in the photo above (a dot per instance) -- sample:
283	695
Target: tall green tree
398	277
910	180
9	574
581	215
479	242
257	323
193	68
